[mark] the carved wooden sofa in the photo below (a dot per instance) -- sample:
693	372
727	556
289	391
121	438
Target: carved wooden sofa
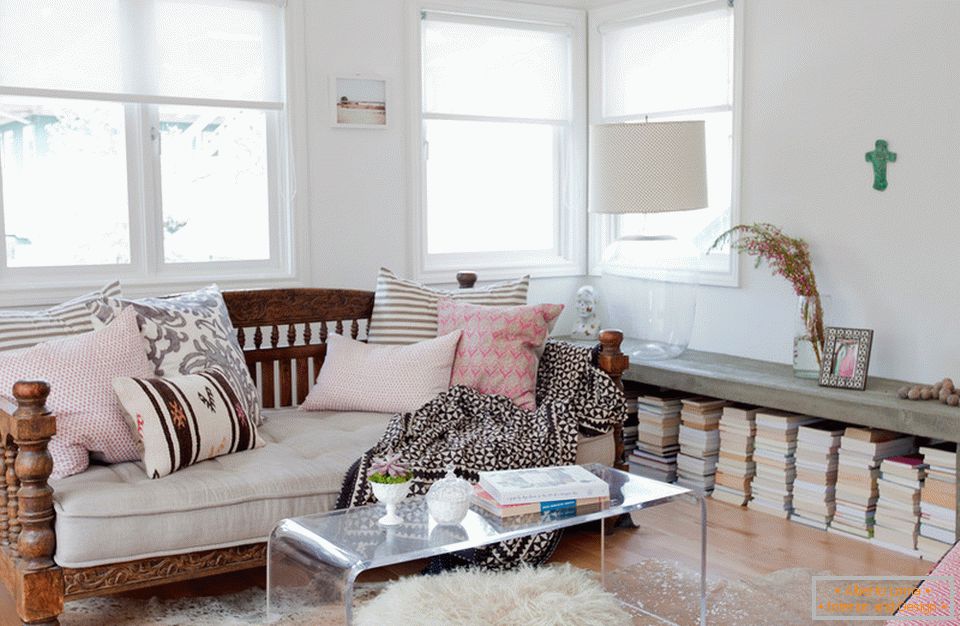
283	332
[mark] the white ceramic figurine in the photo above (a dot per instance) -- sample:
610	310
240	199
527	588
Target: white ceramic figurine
589	326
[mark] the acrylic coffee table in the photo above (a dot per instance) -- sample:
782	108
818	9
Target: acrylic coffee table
318	557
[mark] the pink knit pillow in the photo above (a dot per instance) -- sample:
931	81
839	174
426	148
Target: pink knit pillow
498	352
384	379
80	370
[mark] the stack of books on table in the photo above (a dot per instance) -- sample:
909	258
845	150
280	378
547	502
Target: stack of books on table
658	429
735	466
938	501
699	443
814	488
562	490
897	519
774	447
861	450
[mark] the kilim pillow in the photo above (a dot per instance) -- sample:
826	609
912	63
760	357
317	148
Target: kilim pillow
405	311
187	334
184	420
80	371
499	351
384	379
22	329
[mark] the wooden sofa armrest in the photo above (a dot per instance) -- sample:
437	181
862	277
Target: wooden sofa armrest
614	362
27	536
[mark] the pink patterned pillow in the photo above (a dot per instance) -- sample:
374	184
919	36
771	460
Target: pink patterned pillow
385	379
498	352
80	370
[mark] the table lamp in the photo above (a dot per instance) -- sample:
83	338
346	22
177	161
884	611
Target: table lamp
650	280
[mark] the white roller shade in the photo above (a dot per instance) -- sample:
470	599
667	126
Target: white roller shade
495	68
186	51
668	64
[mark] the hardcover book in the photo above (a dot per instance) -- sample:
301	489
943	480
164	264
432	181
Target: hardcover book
543	483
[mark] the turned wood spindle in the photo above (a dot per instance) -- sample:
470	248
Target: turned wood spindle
307	334
274	336
241	338
13	486
614	362
354	329
257	338
340	327
34	427
323	332
291	334
4	517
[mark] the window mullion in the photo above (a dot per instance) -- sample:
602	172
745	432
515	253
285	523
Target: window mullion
152	198
3	228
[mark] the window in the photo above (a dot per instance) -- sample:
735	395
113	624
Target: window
675	64
140	138
499	106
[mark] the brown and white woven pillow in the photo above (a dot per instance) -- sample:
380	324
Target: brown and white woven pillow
177	422
23	329
405	311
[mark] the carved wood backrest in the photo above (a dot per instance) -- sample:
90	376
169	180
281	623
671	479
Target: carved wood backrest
284	331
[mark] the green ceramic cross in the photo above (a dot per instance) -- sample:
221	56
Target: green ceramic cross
880	156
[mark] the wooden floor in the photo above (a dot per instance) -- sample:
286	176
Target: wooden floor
742	544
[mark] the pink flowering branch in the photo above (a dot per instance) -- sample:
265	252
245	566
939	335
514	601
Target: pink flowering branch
788	257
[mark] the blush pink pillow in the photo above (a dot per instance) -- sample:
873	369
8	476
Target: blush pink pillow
498	352
80	370
384	379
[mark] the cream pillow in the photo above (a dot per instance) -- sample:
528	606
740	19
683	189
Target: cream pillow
385	379
179	421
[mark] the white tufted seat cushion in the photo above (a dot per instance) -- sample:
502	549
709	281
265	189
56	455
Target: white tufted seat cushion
115	513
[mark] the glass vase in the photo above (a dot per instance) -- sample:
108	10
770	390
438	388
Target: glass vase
650	288
806	355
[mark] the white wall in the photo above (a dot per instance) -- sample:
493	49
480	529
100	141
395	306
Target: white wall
822	80
358	177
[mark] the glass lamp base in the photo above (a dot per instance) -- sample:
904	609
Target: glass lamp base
655	350
650	290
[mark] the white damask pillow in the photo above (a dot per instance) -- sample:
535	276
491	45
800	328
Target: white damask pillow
188	334
383	379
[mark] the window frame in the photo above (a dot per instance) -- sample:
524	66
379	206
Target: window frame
569	255
288	265
605	229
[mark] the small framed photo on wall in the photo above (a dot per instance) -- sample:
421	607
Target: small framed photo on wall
846	357
359	101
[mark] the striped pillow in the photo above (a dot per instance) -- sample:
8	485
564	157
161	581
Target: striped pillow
177	422
24	329
405	311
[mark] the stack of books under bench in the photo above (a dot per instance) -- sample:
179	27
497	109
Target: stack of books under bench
762	383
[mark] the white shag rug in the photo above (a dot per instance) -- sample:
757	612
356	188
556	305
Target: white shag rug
544	596
558	594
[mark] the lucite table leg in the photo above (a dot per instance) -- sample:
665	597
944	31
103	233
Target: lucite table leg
307	573
603	554
703	558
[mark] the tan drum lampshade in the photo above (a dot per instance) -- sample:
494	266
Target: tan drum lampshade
654	167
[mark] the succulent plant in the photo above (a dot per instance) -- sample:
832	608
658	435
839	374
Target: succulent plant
389	470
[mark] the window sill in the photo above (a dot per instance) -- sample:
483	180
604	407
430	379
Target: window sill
23	294
436	274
